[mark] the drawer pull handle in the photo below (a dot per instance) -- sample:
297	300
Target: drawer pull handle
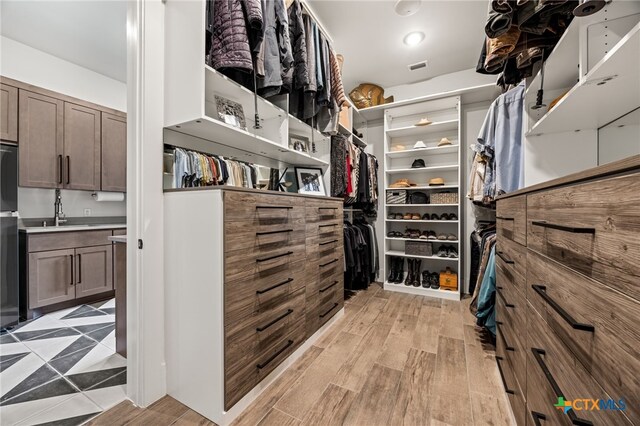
274	257
542	291
324	226
274	232
274	356
328	242
287	281
328	263
564	228
506	345
274	207
537	417
505	218
507	304
270	323
537	354
507	261
330	309
327	208
322	290
504	382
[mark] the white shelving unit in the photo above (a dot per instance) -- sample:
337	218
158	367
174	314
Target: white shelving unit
444	162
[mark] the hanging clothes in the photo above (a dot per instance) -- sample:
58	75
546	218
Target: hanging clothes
361	254
486	314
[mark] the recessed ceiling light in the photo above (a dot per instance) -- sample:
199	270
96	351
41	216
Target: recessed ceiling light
413	38
407	7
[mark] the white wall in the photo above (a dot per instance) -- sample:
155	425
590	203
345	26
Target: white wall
26	64
443	83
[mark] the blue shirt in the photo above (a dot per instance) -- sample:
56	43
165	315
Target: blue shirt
486	313
500	142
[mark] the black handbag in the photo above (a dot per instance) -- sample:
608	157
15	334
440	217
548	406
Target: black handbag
418	198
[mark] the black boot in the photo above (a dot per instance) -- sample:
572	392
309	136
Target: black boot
416	275
409	280
399	270
394	270
426	276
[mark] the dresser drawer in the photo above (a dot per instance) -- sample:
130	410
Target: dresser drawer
261	237
244	264
512	347
513	391
319	313
322	248
323	212
511	219
512	305
512	257
552	367
597	323
262	209
593	228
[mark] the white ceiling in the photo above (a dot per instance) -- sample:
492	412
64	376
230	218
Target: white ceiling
91	34
369	34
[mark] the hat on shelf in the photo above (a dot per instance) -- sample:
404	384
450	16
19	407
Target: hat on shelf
436	181
444	141
402	183
418	163
396	148
419	145
423	122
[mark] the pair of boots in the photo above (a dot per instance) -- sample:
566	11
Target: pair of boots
413	277
397	270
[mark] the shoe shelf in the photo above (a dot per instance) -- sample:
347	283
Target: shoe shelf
415	256
422	240
424	188
425	169
422	205
435	127
422	291
446	149
422	221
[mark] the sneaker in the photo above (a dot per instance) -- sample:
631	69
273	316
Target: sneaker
431	235
435	281
453	216
425	216
442	237
445	216
452	237
434	216
442	252
452	252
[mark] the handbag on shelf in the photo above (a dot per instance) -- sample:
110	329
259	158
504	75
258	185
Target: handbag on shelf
448	280
418	198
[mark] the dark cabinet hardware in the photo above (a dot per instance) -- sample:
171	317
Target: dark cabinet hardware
71	257
542	292
507	304
328	242
505	260
537	354
328	263
330	309
537	417
79	268
60	168
274	207
270	323
571	229
287	281
504	340
322	290
274	232
274	356
505	218
324	226
327	208
499	359
68	170
274	257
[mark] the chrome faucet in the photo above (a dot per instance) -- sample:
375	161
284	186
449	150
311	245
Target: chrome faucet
58	217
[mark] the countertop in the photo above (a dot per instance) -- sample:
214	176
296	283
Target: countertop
68	228
118	239
252	190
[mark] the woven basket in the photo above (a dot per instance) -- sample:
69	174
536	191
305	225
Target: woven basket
397	196
418	248
444	198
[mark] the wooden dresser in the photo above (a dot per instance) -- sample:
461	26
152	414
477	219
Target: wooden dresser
568	297
267	266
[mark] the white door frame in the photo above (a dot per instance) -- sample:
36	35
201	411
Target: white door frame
146	370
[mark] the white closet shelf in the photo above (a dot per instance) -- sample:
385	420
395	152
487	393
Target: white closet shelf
403	254
438	293
425	169
300	128
447	149
343	130
422	240
224	134
422	221
591	105
358	141
424	188
421	205
435	127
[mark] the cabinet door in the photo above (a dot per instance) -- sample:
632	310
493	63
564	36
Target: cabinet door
40	123
8	113
114	153
94	270
81	147
51	277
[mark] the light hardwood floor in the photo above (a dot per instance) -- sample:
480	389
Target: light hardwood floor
393	359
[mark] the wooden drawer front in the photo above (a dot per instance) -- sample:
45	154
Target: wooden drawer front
68	240
244	376
322	212
552	367
325	231
247	297
323	248
593	228
512	348
262	209
512	305
571	305
329	308
512	257
514	393
511	219
243	264
261	237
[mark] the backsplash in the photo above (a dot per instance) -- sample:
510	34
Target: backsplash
38	203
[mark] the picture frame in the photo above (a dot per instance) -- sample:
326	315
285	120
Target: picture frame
230	112
299	143
310	181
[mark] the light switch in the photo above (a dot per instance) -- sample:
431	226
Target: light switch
87	212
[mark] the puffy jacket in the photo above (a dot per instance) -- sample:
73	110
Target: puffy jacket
276	47
298	76
236	23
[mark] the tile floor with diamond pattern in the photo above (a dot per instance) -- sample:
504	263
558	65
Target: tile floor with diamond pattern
61	368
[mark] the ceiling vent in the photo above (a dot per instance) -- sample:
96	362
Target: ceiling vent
418	65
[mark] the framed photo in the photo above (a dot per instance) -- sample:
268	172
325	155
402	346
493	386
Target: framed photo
230	112
299	143
310	181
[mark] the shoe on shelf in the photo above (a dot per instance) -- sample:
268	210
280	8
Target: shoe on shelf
453	216
409	278
443	252
416	216
424	235
435	281
416	275
431	235
444	216
434	216
452	237
442	237
425	216
394	270
400	270
414	233
452	252
426	275
407	216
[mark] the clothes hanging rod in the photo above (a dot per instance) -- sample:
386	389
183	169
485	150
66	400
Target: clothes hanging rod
313	16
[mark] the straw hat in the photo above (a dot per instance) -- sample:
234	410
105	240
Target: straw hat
423	122
436	182
444	141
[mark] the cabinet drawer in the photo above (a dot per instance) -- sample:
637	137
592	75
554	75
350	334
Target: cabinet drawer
325	231
323	212
68	240
512	305
512	348
514	393
321	248
512	257
262	209
571	304
247	297
511	219
260	238
242	264
553	372
593	228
